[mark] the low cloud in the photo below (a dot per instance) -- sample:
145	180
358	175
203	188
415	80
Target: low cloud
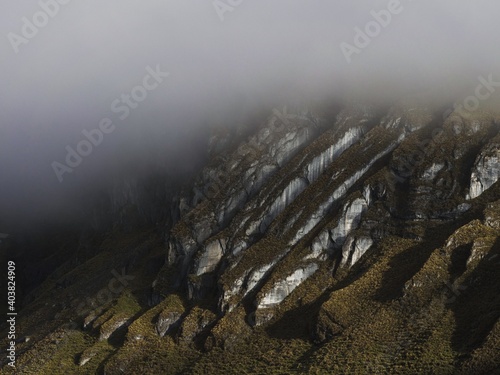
64	63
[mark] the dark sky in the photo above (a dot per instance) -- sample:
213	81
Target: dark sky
222	59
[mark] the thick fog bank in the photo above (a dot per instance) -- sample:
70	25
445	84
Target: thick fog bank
94	90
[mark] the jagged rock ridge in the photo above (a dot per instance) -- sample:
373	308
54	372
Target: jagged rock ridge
363	243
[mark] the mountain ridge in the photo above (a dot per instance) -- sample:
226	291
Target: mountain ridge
364	242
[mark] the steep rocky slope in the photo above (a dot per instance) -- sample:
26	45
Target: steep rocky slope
365	242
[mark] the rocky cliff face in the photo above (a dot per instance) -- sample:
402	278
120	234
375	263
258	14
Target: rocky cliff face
367	242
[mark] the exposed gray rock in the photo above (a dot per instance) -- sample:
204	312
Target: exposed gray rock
285	287
86	357
431	172
257	275
246	284
321	243
288	145
349	127
107	329
324	207
210	256
256	176
181	248
351	216
354	248
486	171
349	220
318	165
167	321
231	206
294	188
241	245
239	176
227	294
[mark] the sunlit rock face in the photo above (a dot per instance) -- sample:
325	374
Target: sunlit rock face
486	171
354	248
283	288
166	322
361	227
210	256
351	216
318	180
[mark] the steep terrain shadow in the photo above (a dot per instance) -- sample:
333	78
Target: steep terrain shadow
477	307
406	264
459	258
298	323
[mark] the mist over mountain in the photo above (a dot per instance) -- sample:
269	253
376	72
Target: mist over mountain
224	62
233	186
